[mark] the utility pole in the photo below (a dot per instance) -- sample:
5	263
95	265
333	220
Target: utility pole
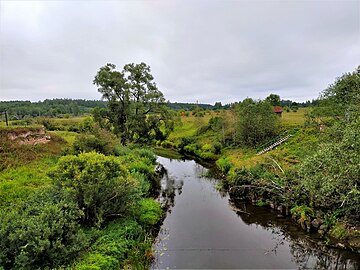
6	119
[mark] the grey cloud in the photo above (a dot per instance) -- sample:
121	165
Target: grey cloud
205	50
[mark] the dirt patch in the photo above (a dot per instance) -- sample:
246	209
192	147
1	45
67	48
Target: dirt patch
29	136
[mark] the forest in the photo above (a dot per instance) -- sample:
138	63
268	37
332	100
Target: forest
79	179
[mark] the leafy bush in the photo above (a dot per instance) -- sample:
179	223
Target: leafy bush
149	212
207	155
207	147
303	212
87	125
123	243
146	153
217	148
190	148
167	144
100	185
44	232
100	141
186	141
256	122
330	177
224	165
88	143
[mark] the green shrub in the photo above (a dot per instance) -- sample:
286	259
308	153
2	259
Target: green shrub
100	185
186	141
146	153
89	143
123	243
44	232
167	144
120	150
303	212
224	165
217	148
87	125
149	212
207	155
207	147
191	148
330	177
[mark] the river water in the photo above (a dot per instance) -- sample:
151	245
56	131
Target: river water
203	229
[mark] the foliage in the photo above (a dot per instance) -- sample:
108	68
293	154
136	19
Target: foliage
342	98
273	99
14	154
44	232
256	122
149	212
50	108
136	108
101	186
123	243
330	177
303	212
224	165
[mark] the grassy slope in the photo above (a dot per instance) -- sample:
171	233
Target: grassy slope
25	168
289	153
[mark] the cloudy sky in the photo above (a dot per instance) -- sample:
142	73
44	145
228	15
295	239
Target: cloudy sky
204	51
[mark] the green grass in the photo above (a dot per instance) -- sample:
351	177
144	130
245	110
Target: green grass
68	121
16	184
68	136
294	119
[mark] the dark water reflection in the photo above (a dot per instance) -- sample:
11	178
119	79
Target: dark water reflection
205	230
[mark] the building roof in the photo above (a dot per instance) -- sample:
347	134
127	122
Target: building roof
277	109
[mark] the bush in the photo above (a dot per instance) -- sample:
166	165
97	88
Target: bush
224	165
330	177
167	144
100	185
186	141
207	155
149	212
44	232
100	141
87	125
123	244
217	148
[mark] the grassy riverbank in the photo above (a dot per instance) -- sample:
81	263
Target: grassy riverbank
285	178
105	219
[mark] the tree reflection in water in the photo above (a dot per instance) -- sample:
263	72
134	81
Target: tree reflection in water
308	252
170	186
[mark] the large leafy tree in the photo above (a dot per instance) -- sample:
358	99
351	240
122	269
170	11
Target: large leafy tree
256	122
340	102
273	99
136	107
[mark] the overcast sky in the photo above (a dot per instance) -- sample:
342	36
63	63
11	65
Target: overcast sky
204	51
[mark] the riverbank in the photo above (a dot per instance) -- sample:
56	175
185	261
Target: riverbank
271	181
63	205
204	229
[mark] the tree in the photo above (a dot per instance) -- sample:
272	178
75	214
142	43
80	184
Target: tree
136	108
256	122
342	98
330	177
273	99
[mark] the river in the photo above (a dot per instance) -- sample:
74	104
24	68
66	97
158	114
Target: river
203	229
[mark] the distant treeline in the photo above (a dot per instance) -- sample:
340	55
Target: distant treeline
61	107
49	107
